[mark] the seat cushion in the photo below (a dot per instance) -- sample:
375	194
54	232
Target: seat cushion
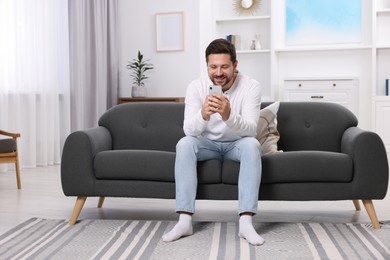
297	167
209	172
7	145
135	165
149	165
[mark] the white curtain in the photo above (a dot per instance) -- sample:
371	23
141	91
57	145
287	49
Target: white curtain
58	71
34	77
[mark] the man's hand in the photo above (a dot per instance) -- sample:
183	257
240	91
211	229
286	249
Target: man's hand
216	104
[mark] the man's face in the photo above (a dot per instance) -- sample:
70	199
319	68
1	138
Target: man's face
221	70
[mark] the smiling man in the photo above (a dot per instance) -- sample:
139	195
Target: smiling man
221	127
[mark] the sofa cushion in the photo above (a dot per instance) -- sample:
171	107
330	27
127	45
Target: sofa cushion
149	165
135	165
209	172
145	125
316	126
7	145
267	132
295	167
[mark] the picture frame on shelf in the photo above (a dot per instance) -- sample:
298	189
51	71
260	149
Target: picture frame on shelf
170	31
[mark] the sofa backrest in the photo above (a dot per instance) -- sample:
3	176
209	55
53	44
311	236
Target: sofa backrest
145	125
312	125
159	125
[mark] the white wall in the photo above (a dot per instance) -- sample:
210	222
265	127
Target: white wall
173	70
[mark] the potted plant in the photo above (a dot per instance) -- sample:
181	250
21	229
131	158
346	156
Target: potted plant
139	66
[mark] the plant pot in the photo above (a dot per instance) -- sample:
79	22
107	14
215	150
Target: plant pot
138	91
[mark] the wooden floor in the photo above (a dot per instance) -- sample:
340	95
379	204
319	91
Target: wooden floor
41	196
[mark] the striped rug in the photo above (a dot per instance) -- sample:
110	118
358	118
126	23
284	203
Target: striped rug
125	239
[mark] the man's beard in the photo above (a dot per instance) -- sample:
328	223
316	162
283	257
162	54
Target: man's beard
226	80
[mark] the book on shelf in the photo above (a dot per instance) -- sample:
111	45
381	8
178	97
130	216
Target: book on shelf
387	87
235	40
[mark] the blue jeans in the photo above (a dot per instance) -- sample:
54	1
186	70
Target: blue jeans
190	149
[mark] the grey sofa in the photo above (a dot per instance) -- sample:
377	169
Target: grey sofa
132	152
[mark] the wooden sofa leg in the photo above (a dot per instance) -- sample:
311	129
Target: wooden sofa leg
100	203
356	204
77	209
371	213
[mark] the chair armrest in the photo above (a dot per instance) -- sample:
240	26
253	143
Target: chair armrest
371	168
80	148
13	135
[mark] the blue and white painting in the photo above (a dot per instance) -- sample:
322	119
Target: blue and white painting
323	21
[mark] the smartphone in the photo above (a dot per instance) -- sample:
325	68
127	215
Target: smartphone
215	89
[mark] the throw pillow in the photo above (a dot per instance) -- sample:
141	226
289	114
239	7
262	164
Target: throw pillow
267	132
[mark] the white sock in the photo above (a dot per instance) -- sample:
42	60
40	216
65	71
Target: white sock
248	232
181	229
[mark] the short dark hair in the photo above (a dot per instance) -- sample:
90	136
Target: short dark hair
221	46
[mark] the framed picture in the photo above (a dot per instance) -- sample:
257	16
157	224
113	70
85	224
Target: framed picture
170	31
323	22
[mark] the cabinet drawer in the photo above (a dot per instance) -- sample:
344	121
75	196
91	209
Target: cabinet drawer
318	96
343	91
320	84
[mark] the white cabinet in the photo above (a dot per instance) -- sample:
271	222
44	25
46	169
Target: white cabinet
344	91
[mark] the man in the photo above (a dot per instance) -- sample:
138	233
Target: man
220	127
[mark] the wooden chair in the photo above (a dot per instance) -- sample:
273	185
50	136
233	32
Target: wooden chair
9	152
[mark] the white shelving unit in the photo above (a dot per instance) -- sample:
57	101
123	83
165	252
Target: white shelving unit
226	21
381	70
320	64
367	61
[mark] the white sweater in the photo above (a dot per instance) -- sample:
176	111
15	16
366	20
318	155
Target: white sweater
244	97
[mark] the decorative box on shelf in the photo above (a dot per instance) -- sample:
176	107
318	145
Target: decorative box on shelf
344	91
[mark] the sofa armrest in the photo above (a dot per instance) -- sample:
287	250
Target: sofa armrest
80	148
371	169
